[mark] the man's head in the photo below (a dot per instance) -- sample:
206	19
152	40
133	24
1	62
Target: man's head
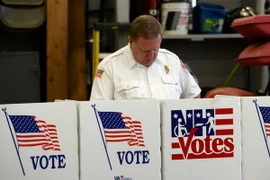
145	37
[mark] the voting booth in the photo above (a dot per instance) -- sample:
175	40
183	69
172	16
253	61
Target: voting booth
219	138
255	138
120	140
39	141
201	139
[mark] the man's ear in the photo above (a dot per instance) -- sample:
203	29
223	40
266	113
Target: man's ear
129	40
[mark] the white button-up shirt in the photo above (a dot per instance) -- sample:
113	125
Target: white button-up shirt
119	76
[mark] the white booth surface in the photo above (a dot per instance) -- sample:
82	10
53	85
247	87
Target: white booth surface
224	138
201	139
39	141
120	140
255	138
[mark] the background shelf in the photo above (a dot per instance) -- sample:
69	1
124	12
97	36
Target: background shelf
201	37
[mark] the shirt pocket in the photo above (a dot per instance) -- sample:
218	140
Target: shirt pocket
128	89
172	89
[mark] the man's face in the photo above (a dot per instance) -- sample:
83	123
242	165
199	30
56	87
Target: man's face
145	51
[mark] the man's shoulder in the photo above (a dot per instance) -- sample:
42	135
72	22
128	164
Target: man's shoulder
168	56
165	52
111	58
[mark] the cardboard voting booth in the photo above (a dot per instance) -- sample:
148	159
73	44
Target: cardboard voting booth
255	138
39	141
201	139
120	140
221	138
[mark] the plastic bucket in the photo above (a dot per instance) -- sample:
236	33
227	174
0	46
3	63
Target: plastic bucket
208	18
174	17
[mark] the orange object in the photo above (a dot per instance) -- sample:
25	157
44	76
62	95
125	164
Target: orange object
229	91
253	27
255	55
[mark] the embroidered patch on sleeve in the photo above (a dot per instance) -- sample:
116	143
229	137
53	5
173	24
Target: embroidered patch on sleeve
184	66
99	73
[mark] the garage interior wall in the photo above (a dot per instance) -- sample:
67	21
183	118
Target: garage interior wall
211	60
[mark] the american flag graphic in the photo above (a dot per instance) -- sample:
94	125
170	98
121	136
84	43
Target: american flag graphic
264	117
99	73
31	132
223	121
209	122
265	112
121	128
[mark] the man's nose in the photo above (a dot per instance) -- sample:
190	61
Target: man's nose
151	53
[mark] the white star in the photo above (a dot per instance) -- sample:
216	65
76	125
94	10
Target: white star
198	115
175	116
189	115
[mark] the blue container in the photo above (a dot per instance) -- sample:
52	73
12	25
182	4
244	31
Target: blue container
208	18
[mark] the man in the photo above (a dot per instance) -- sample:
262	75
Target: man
142	70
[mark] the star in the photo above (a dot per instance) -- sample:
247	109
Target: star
198	115
189	115
175	116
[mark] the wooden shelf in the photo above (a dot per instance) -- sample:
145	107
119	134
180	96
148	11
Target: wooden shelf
201	37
